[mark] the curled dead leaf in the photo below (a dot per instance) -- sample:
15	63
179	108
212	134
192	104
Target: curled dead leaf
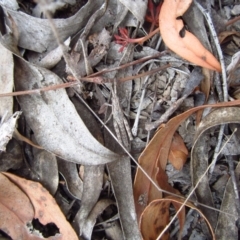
154	158
156	216
181	41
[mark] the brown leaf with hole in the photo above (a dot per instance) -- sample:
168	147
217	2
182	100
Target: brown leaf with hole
181	41
156	216
21	201
178	152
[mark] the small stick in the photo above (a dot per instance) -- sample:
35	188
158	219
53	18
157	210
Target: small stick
129	64
232	21
97	80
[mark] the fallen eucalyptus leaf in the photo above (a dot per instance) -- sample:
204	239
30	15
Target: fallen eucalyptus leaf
52	117
45	165
226	225
158	150
70	174
7	127
92	187
136	7
11	4
187	46
36	34
28	200
199	164
217	117
6	81
120	176
12	158
151	221
99	207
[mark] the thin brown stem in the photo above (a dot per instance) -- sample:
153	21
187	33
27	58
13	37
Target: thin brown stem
232	21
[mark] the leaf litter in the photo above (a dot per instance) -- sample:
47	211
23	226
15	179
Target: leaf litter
49	136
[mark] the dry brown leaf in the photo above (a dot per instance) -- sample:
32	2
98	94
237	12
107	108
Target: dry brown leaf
156	216
156	154
187	45
27	200
205	88
178	152
224	36
14	216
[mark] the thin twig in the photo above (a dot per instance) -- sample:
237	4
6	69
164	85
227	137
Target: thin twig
135	125
129	64
98	80
232	21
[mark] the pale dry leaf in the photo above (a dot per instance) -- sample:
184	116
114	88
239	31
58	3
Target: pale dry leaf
120	171
7	128
88	225
217	117
36	34
50	6
136	7
92	187
73	182
48	60
199	164
11	4
6	81
226	225
45	165
52	117
120	176
113	230
233	65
